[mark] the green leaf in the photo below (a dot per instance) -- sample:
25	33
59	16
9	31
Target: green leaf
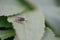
6	33
4	22
27	4
57	2
54	25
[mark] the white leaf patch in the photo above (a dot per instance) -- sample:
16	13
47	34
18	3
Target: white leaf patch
10	7
33	28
